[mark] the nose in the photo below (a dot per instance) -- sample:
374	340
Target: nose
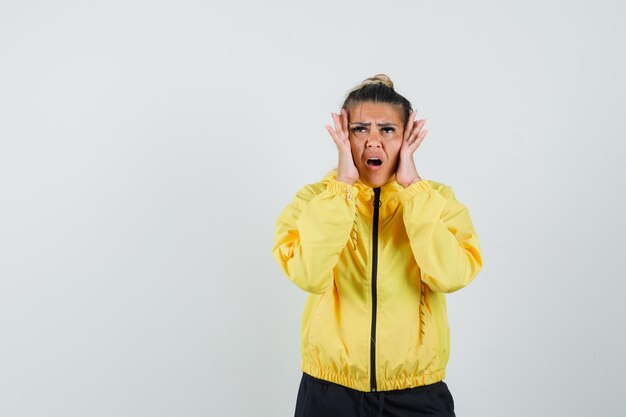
373	141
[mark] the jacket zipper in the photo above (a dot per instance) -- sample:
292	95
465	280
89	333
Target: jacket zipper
374	287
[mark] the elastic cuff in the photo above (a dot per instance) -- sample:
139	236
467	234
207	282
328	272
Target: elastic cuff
350	191
410	191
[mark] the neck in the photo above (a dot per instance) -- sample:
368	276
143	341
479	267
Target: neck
391	179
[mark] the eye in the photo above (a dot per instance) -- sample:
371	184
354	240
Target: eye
388	129
358	129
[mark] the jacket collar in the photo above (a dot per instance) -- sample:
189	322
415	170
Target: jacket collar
366	193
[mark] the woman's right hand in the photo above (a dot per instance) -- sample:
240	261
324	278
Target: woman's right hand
346	170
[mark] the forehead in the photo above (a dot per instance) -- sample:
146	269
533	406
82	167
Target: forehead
369	112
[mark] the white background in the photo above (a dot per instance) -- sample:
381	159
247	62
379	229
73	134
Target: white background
147	147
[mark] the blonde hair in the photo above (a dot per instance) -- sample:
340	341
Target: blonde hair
376	79
378	89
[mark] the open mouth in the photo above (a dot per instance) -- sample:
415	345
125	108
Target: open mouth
374	162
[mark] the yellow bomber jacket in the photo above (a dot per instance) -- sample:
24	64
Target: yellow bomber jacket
377	264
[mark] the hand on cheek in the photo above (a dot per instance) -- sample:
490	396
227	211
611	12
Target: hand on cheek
346	169
406	174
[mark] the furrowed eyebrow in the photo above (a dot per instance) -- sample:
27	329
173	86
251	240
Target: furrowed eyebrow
369	124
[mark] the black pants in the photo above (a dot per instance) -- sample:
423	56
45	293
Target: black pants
319	398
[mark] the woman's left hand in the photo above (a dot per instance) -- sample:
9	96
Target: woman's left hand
413	136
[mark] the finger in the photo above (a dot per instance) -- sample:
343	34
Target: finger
338	129
418	141
417	128
414	133
333	135
409	126
344	121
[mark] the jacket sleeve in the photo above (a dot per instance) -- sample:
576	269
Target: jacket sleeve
442	237
312	231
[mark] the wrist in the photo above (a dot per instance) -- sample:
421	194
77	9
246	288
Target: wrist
411	182
346	180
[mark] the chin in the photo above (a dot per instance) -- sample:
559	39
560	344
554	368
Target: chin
377	181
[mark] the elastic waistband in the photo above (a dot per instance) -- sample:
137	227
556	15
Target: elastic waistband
395	391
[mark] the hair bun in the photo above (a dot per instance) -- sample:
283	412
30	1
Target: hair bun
377	79
378	89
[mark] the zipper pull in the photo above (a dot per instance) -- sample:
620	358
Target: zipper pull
376	197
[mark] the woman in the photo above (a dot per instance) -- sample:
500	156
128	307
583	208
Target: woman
377	248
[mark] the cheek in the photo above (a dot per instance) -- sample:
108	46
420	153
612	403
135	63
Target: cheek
356	147
355	153
393	149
